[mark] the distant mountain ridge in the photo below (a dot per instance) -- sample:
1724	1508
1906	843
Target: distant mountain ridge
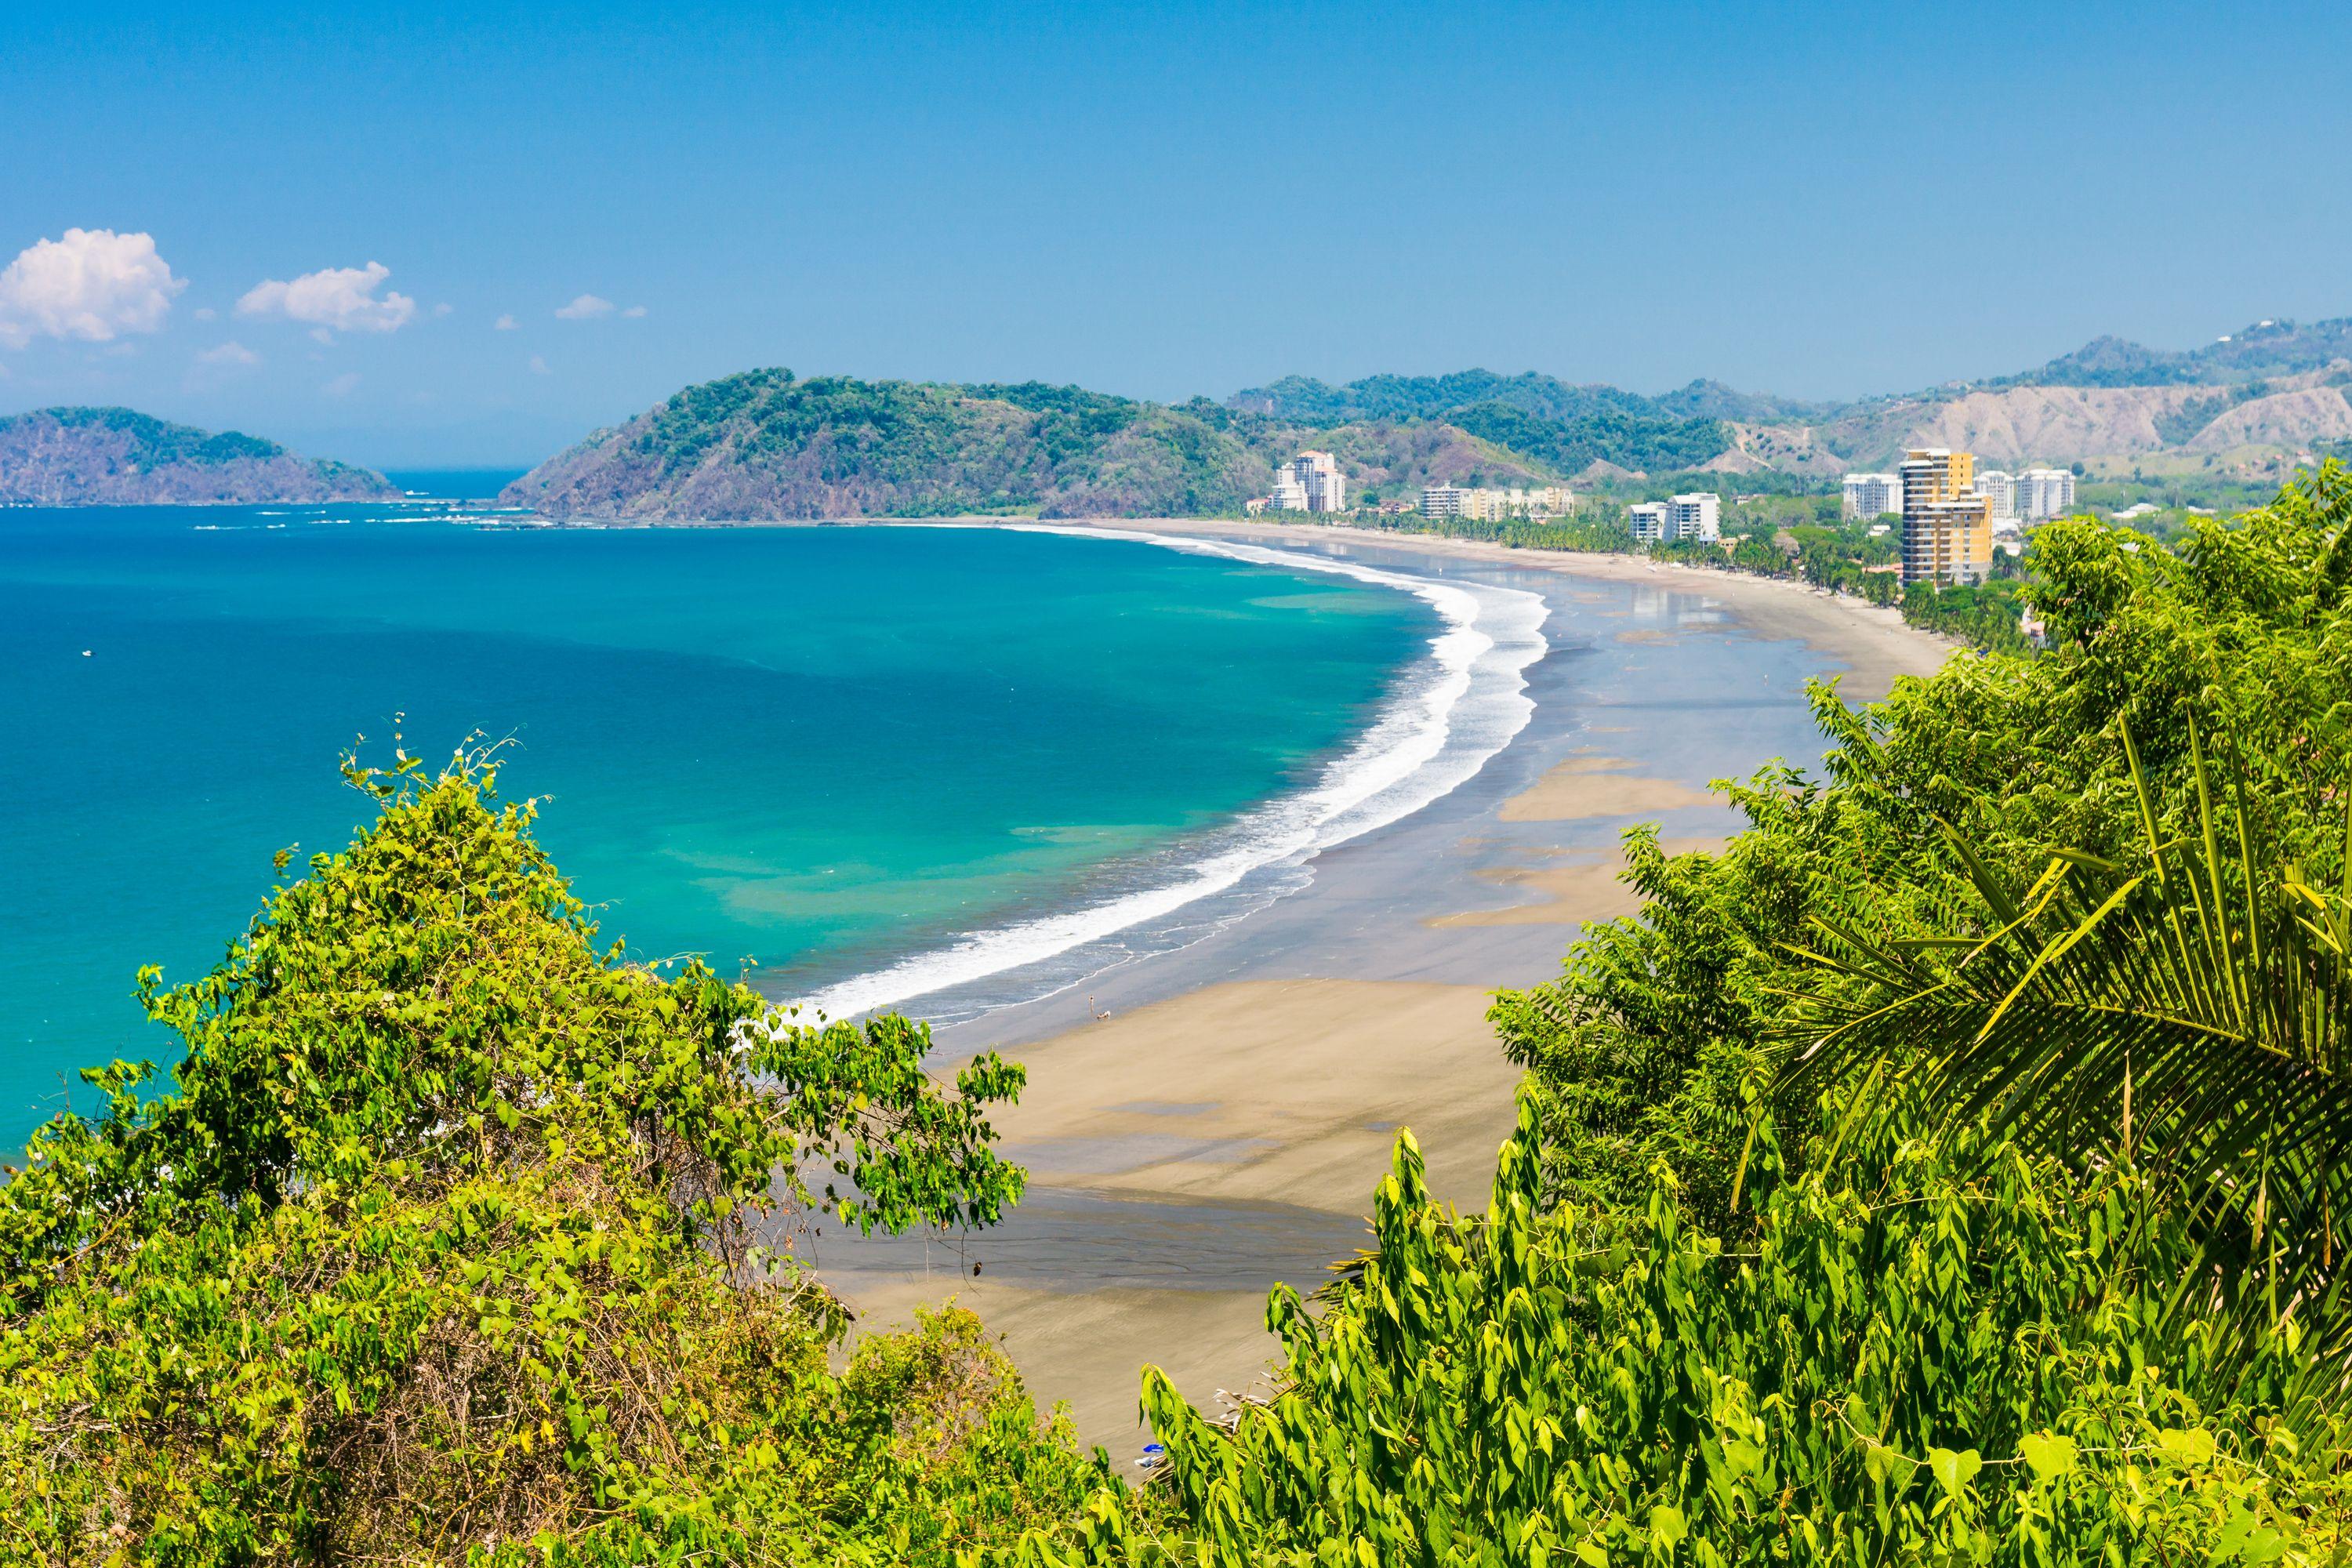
2265	349
118	457
766	444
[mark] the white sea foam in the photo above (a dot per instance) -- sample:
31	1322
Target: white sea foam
1457	709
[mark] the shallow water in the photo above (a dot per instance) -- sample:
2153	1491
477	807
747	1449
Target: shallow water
807	754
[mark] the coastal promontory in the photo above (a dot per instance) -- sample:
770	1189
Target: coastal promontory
118	457
768	445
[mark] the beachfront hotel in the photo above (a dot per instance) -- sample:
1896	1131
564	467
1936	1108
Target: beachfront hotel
1695	516
1490	504
1947	525
1309	482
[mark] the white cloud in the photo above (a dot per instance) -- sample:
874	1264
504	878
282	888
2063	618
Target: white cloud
205	312
444	308
538	365
504	324
635	313
342	386
336	298
231	353
91	285
585	308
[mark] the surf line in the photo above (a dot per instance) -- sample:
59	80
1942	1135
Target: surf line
1433	735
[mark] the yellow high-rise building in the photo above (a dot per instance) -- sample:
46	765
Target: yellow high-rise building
1946	526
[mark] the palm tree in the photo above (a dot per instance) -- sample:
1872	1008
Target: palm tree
2186	1019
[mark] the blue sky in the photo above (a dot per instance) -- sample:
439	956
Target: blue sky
1158	200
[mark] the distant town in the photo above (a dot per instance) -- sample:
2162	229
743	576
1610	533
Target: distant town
1950	517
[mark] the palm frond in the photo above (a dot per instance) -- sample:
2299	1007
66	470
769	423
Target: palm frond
2190	1016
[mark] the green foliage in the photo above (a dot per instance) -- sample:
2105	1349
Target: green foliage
1985	614
155	442
831	446
442	1245
1583	532
2188	1013
1914	1354
1628	438
1557	425
1639	1048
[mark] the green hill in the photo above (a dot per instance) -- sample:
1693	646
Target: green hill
119	456
1566	426
767	445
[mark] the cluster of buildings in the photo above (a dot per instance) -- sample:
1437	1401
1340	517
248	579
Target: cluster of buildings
1952	511
2036	495
1312	482
1691	517
1309	482
1456	500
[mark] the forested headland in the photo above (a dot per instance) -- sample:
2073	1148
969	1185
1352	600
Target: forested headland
1952	1168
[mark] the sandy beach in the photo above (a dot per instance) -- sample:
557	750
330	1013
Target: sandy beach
1199	1124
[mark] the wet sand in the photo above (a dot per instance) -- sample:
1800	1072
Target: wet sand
1224	1128
1182	1158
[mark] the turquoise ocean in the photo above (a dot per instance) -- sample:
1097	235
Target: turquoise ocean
852	763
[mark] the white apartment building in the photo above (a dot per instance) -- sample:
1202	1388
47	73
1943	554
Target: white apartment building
2000	491
1649	520
1287	495
1318	473
1443	500
1694	517
2044	493
1872	495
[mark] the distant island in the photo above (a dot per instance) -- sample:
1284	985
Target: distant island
768	445
118	457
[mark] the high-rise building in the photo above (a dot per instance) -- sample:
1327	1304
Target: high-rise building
1695	516
1443	500
1649	520
2000	491
2044	493
1287	495
1947	525
1872	495
1318	475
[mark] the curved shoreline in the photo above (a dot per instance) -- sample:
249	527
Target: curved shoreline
1876	643
1411	753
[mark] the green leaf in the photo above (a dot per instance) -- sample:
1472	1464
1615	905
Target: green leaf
1954	1471
2051	1455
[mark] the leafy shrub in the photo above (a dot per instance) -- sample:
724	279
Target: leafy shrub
1914	1354
443	1246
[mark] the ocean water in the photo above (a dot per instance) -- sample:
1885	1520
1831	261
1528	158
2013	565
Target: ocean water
854	765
